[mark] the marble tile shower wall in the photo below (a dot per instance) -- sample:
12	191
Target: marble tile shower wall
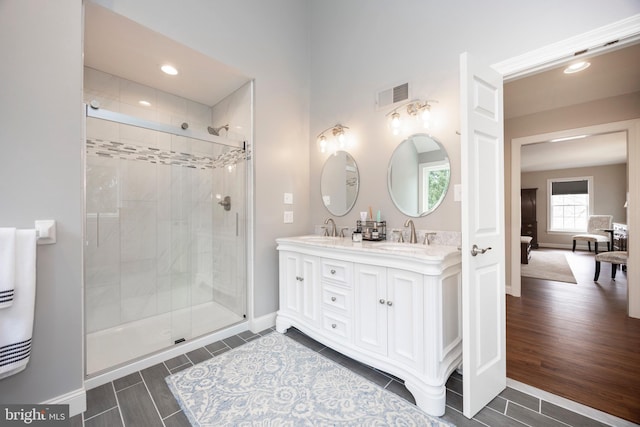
150	246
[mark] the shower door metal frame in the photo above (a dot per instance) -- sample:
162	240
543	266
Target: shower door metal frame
113	116
195	342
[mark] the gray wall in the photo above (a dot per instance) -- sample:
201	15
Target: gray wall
609	195
41	177
377	44
347	49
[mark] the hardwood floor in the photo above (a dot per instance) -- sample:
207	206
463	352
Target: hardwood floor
576	340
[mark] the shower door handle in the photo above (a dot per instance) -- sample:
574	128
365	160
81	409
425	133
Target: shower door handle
97	229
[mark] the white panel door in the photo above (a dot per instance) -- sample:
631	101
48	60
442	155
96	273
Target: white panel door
310	289
370	308
483	259
405	306
290	278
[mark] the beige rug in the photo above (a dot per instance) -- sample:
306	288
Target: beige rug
550	265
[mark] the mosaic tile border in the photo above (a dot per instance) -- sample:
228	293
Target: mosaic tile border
119	150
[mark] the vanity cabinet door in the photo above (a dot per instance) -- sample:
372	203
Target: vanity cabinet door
299	286
370	308
405	293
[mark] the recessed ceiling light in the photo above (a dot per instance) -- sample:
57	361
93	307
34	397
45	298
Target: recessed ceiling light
145	103
578	66
569	138
169	69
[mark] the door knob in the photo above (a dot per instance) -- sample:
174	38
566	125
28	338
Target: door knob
475	250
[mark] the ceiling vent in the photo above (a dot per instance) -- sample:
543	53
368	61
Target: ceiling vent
392	96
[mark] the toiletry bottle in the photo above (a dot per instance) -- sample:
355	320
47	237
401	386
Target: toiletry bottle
374	234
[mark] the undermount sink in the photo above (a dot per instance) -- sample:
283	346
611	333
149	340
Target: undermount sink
319	239
400	247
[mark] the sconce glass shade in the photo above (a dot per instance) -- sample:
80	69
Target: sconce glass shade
339	139
419	110
395	120
426	113
322	141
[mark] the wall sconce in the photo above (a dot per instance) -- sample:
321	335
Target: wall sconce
339	140
417	109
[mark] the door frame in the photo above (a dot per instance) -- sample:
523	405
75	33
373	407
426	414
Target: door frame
631	128
626	33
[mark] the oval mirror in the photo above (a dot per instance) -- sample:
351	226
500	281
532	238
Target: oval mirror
418	176
339	183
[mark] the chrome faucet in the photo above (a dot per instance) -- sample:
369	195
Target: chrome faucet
334	232
412	238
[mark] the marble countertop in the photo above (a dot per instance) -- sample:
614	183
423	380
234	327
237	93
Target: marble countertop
385	247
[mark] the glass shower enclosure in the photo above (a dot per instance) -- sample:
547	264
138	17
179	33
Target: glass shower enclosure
165	254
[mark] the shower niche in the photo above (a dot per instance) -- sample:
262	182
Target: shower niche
165	249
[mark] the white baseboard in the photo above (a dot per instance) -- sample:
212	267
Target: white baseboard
77	401
569	246
263	322
558	246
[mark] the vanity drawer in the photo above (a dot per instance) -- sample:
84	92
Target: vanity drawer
337	326
337	299
337	271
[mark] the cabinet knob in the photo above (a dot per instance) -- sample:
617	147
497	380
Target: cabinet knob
333	325
299	279
333	272
333	299
382	301
389	303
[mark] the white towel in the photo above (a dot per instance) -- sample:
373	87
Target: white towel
7	265
16	322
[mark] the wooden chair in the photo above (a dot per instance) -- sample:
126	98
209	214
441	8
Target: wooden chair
596	233
615	258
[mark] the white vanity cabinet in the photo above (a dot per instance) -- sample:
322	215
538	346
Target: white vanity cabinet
299	290
394	307
389	313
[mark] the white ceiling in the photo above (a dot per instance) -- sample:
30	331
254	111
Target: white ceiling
119	46
610	74
606	149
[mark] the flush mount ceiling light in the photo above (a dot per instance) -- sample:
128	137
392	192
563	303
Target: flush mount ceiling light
339	140
169	69
576	67
569	138
416	109
144	103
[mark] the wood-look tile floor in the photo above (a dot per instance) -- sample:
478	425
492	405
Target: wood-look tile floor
576	340
143	398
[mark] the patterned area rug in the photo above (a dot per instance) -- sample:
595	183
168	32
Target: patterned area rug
548	265
275	381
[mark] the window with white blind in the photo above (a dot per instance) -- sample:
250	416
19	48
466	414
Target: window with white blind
570	202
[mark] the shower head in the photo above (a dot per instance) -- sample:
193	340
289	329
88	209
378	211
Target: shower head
216	131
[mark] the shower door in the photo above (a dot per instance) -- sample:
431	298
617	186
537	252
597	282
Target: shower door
165	255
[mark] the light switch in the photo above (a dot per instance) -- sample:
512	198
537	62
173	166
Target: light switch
288	217
457	193
288	198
